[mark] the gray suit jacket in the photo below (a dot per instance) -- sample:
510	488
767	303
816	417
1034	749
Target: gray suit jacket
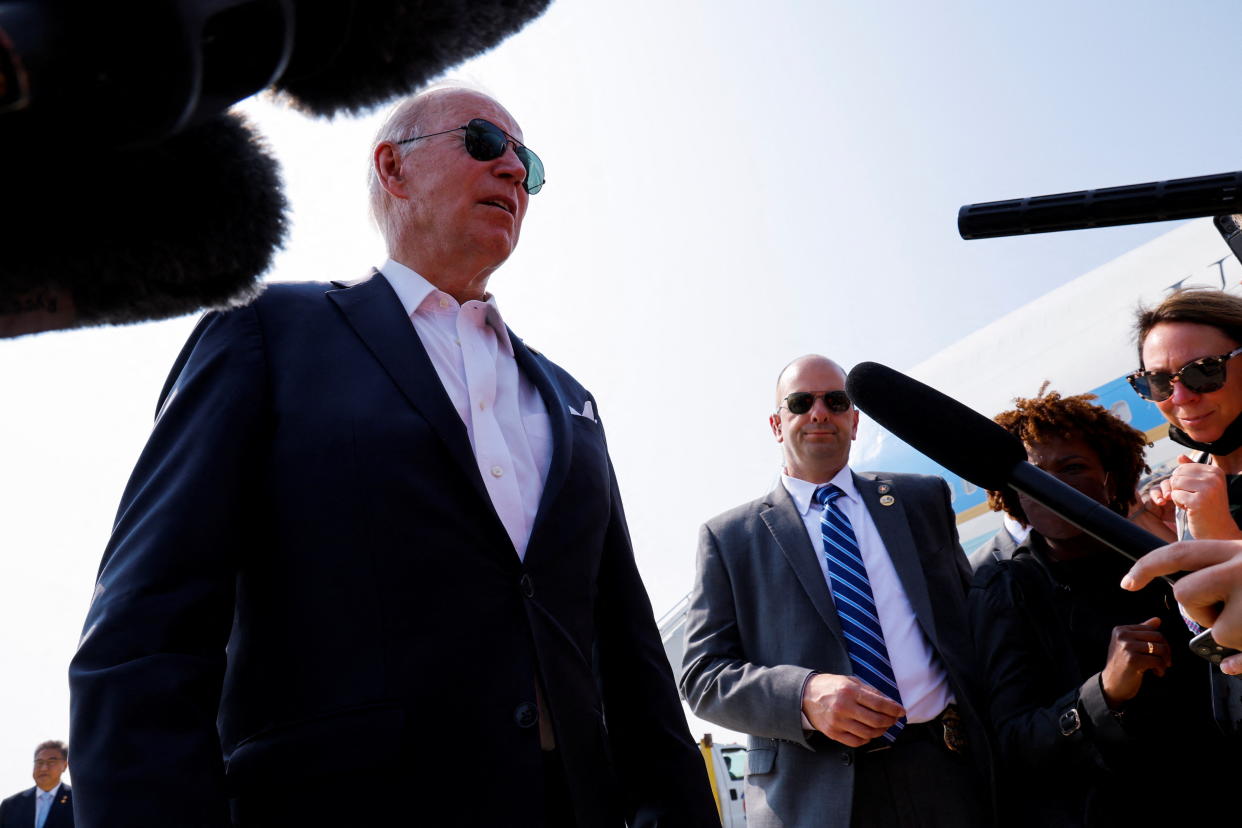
761	620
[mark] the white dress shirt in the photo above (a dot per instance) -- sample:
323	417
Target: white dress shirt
505	417
921	678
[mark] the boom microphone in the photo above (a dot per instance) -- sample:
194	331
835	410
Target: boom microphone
1179	198
972	446
128	194
137	234
977	449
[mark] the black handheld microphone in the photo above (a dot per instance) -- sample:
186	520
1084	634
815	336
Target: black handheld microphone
977	449
1179	198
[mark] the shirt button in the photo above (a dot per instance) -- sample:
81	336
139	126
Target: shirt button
458	341
526	715
444	301
497	471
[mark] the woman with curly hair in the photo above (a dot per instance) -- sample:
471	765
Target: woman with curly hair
1095	699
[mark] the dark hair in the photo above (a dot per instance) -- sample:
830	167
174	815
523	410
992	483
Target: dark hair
1202	306
1049	416
54	744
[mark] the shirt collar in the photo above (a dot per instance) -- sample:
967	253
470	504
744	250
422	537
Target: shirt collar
413	291
803	493
39	791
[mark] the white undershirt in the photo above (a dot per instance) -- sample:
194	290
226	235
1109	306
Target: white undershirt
505	418
921	679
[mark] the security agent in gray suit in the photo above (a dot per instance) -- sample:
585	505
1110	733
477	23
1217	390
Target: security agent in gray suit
861	715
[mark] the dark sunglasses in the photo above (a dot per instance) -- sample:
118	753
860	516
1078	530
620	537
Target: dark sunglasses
800	402
1201	376
486	142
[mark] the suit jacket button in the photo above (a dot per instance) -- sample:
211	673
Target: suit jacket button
527	585
847	757
526	715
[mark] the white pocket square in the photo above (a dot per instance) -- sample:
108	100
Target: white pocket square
588	411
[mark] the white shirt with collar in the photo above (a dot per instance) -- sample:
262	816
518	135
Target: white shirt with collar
921	678
506	419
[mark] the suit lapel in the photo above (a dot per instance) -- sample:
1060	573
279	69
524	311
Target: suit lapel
62	807
28	803
376	315
783	521
558	419
894	528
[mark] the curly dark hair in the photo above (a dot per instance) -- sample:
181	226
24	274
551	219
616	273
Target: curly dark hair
1049	416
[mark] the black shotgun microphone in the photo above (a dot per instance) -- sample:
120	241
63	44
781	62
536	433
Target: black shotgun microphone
1178	198
977	449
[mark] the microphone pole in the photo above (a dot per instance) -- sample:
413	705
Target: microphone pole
1219	196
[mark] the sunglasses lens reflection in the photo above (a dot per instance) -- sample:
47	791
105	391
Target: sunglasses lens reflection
486	141
837	401
800	403
534	170
1204	377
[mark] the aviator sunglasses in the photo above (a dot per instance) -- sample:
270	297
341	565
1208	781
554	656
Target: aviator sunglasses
800	402
486	142
1201	376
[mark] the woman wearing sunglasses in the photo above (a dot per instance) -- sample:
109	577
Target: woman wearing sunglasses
1188	349
1097	703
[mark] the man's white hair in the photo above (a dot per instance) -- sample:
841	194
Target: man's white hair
407	119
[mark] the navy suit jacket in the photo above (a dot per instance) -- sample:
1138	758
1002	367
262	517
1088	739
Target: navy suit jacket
309	497
18	811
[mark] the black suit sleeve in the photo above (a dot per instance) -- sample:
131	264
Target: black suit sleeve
662	773
146	680
1029	689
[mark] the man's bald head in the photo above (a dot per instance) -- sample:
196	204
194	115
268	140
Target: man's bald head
815	443
796	365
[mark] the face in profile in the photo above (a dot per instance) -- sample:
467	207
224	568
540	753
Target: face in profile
1074	462
455	204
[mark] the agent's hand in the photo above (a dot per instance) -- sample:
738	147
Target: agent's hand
1211	594
847	709
1201	491
1132	651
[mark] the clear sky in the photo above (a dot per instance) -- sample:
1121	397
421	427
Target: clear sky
730	185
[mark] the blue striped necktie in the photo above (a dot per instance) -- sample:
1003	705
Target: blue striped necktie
851	591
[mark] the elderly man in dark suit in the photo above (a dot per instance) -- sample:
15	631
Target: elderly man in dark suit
827	621
374	536
49	804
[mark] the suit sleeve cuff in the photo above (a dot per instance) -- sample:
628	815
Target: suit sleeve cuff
1105	722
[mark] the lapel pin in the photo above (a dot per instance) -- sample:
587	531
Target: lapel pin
883	488
887	500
